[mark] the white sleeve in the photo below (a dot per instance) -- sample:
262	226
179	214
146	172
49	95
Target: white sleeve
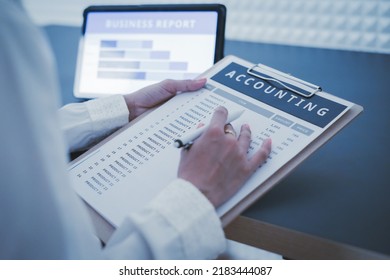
41	215
188	229
84	124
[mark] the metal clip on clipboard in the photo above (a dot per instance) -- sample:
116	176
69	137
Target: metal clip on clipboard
287	81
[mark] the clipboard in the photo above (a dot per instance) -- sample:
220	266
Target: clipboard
285	80
285	83
306	90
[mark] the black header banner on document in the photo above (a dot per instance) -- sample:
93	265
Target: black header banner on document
316	109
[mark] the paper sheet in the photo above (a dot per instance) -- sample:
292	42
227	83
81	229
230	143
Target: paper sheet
122	175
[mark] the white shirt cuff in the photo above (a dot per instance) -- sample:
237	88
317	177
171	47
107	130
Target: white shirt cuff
108	113
193	218
180	223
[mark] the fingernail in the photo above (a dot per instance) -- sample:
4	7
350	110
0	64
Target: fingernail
202	80
267	141
222	108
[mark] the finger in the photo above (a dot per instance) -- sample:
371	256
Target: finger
244	139
219	118
261	155
182	85
229	130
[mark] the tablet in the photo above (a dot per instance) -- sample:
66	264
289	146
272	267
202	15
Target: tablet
125	48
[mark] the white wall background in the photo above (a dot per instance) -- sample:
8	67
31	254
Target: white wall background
362	25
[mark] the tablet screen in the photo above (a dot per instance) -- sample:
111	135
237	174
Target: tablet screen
123	51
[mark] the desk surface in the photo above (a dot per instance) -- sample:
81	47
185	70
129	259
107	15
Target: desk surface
342	192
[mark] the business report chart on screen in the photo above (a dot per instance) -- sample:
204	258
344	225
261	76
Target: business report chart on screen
126	51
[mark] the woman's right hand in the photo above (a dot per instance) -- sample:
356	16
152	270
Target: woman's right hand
217	162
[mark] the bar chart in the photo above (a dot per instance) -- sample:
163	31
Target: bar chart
136	59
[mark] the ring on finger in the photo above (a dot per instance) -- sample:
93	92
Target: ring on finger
228	129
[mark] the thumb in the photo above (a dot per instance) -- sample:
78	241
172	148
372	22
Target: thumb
174	86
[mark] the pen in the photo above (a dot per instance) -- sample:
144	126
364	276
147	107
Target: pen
188	139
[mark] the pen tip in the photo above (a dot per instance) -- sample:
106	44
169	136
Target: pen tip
177	144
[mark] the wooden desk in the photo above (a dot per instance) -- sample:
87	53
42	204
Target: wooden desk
336	205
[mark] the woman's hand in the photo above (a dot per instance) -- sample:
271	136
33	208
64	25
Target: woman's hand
217	163
156	94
